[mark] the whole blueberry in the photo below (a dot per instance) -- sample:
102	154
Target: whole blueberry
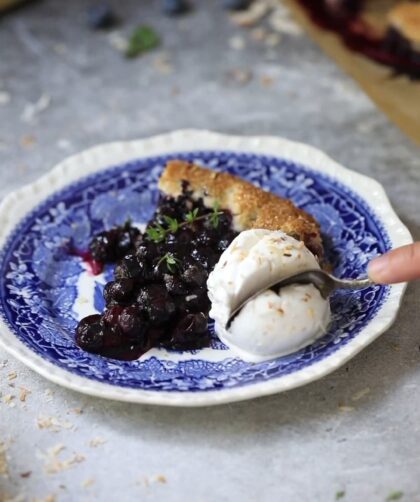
100	16
236	4
102	246
174	285
89	333
205	257
130	268
156	302
125	241
197	300
132	323
174	7
190	332
194	275
111	314
118	291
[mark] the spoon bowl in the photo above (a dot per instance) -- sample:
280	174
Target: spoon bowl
326	284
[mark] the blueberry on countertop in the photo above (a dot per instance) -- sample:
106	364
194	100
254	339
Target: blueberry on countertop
236	4
101	16
174	7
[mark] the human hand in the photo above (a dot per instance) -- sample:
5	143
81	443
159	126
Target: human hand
398	265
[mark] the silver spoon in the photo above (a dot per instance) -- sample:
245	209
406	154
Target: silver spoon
326	283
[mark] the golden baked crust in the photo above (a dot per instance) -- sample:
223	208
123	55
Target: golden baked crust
251	206
405	18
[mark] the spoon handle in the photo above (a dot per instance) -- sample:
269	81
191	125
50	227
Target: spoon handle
352	283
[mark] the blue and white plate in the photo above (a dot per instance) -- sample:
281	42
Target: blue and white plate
45	290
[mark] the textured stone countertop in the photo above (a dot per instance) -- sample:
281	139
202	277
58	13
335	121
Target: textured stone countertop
356	431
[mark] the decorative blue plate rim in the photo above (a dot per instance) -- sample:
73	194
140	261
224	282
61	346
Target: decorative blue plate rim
20	203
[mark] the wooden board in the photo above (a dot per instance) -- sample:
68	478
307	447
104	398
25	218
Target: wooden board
8	4
398	97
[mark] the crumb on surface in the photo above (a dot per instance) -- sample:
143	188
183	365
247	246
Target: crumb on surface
23	393
240	76
96	441
160	478
344	408
52	423
4	468
53	464
88	482
27	140
77	410
237	43
266	80
49	498
360	394
163	64
8	398
251	16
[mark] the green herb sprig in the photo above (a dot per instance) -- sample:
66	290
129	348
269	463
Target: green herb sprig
158	232
142	39
214	215
191	216
171	262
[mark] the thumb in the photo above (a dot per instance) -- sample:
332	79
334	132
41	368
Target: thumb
399	265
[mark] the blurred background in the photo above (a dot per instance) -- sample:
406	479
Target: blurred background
66	83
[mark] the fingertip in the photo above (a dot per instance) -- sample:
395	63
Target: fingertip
377	268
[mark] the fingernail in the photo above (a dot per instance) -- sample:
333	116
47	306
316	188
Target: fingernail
377	267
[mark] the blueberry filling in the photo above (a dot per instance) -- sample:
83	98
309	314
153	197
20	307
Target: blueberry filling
343	18
158	296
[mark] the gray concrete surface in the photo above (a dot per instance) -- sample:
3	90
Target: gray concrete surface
356	431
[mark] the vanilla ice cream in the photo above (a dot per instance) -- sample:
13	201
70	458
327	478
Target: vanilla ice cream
274	323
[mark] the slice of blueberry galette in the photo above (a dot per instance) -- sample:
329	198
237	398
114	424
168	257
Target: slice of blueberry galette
158	296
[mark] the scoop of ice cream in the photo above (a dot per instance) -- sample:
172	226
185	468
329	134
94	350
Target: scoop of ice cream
274	323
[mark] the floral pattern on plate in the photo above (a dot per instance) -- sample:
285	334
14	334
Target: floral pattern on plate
45	287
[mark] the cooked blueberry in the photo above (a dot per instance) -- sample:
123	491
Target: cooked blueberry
161	312
89	334
113	244
195	275
155	335
174	285
171	302
205	257
151	292
184	237
142	251
132	324
222	245
203	238
118	291
111	314
190	332
102	246
125	242
171	239
112	337
156	302
130	268
197	300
